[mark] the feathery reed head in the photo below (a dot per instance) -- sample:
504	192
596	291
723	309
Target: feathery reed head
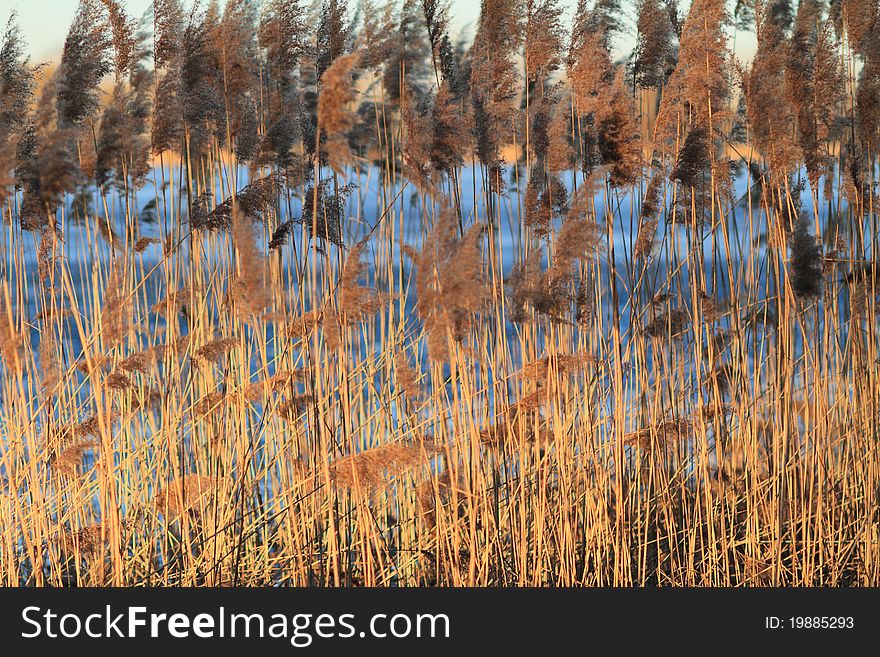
805	261
189	494
250	292
115	313
377	466
69	460
335	117
212	351
561	364
84	62
543	37
324	210
661	436
654	57
450	282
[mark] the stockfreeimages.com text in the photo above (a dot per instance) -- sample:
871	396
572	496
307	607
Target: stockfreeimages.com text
300	629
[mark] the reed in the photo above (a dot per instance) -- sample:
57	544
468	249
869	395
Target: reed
301	294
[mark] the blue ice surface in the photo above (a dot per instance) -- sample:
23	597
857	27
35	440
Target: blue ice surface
372	203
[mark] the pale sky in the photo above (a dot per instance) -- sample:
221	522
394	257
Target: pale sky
44	23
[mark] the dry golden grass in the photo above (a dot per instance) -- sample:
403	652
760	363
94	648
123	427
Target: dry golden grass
349	341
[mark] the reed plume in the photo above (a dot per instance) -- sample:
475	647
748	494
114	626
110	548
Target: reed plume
122	31
436	137
324	210
561	152
451	130
122	156
10	339
868	93
190	494
546	200
294	406
562	364
335	117
89	542
814	86
237	48
70	459
406	70
282	34
618	134
201	85
692	163
16	93
552	291
140	361
611	134
115	312
661	436
212	351
860	18
283	37
84	62
666	323
377	466
250	291
579	238
610	406
417	142
166	130
407	377
301	327
356	302
588	64
118	381
210	403
252	201
144	243
439	490
648	218
90	426
805	261
450	283
700	84
494	82
543	36
654	58
447	65
333	34
530	288
174	302
772	118
45	166
281	235
169	20
377	35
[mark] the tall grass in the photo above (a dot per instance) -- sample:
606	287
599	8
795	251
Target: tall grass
296	296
